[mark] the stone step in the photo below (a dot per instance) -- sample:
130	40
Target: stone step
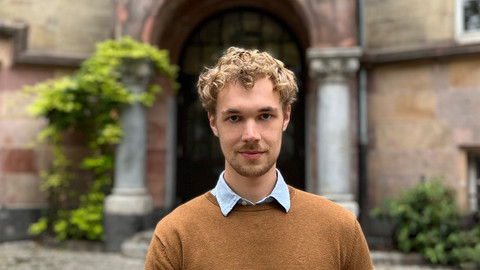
137	246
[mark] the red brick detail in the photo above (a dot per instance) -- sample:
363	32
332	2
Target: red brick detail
155	182
156	162
18	161
156	188
156	136
18	77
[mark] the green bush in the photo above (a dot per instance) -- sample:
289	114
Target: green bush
88	103
427	222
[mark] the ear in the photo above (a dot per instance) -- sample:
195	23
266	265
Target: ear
213	124
286	117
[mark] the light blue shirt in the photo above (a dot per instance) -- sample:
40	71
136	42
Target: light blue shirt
227	198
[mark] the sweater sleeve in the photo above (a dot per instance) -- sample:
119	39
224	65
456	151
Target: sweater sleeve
157	256
360	255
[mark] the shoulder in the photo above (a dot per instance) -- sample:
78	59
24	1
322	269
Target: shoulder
324	215
203	205
320	207
175	228
339	226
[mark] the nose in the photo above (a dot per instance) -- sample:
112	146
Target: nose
250	132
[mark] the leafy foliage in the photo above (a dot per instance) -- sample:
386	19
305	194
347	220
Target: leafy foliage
88	103
428	222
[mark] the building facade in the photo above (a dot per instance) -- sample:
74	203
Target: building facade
389	93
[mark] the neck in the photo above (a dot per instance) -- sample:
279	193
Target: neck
251	188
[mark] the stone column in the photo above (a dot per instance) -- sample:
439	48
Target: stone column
127	208
332	68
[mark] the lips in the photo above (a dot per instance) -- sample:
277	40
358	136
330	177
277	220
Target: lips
251	154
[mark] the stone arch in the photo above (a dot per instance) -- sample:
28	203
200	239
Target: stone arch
172	21
170	25
316	24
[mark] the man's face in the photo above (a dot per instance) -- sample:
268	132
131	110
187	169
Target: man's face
249	125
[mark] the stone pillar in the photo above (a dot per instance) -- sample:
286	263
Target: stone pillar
332	68
129	205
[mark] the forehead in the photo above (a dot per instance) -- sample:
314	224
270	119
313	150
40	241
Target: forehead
236	96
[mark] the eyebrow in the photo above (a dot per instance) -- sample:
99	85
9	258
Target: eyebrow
261	110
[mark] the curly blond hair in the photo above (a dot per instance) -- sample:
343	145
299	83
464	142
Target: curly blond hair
246	67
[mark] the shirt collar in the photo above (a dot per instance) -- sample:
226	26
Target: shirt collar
227	198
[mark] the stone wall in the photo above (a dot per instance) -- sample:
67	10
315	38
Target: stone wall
54	27
62	26
423	116
407	22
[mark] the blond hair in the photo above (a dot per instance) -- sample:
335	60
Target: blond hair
246	67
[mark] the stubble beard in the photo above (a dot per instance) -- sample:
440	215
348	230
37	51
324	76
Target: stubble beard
251	168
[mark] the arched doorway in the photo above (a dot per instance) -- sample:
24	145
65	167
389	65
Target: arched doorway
199	157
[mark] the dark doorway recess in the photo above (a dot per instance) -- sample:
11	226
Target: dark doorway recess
199	157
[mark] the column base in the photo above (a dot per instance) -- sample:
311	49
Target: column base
119	228
345	200
126	212
135	202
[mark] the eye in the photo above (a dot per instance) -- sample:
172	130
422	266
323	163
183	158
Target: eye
233	118
266	116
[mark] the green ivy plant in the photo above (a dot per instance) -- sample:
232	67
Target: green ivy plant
428	222
88	104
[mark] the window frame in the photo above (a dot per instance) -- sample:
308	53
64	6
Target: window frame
461	35
474	181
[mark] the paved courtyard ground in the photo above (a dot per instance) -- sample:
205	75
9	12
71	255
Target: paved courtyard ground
28	255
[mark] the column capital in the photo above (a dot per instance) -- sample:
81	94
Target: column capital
137	72
339	62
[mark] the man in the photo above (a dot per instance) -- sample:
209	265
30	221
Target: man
252	219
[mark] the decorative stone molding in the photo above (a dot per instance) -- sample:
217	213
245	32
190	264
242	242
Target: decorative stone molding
18	32
372	57
333	63
137	72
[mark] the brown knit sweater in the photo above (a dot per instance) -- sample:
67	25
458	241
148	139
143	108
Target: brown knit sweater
314	234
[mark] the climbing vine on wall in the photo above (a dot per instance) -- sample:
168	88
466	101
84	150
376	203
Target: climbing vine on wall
88	104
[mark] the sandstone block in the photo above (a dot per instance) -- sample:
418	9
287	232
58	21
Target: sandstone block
403	78
464	73
408	106
419	135
400	23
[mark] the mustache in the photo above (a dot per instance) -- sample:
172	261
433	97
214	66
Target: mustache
252	147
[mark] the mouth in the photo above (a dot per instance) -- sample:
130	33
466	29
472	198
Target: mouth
249	154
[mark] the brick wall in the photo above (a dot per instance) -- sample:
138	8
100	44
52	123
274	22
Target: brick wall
21	161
